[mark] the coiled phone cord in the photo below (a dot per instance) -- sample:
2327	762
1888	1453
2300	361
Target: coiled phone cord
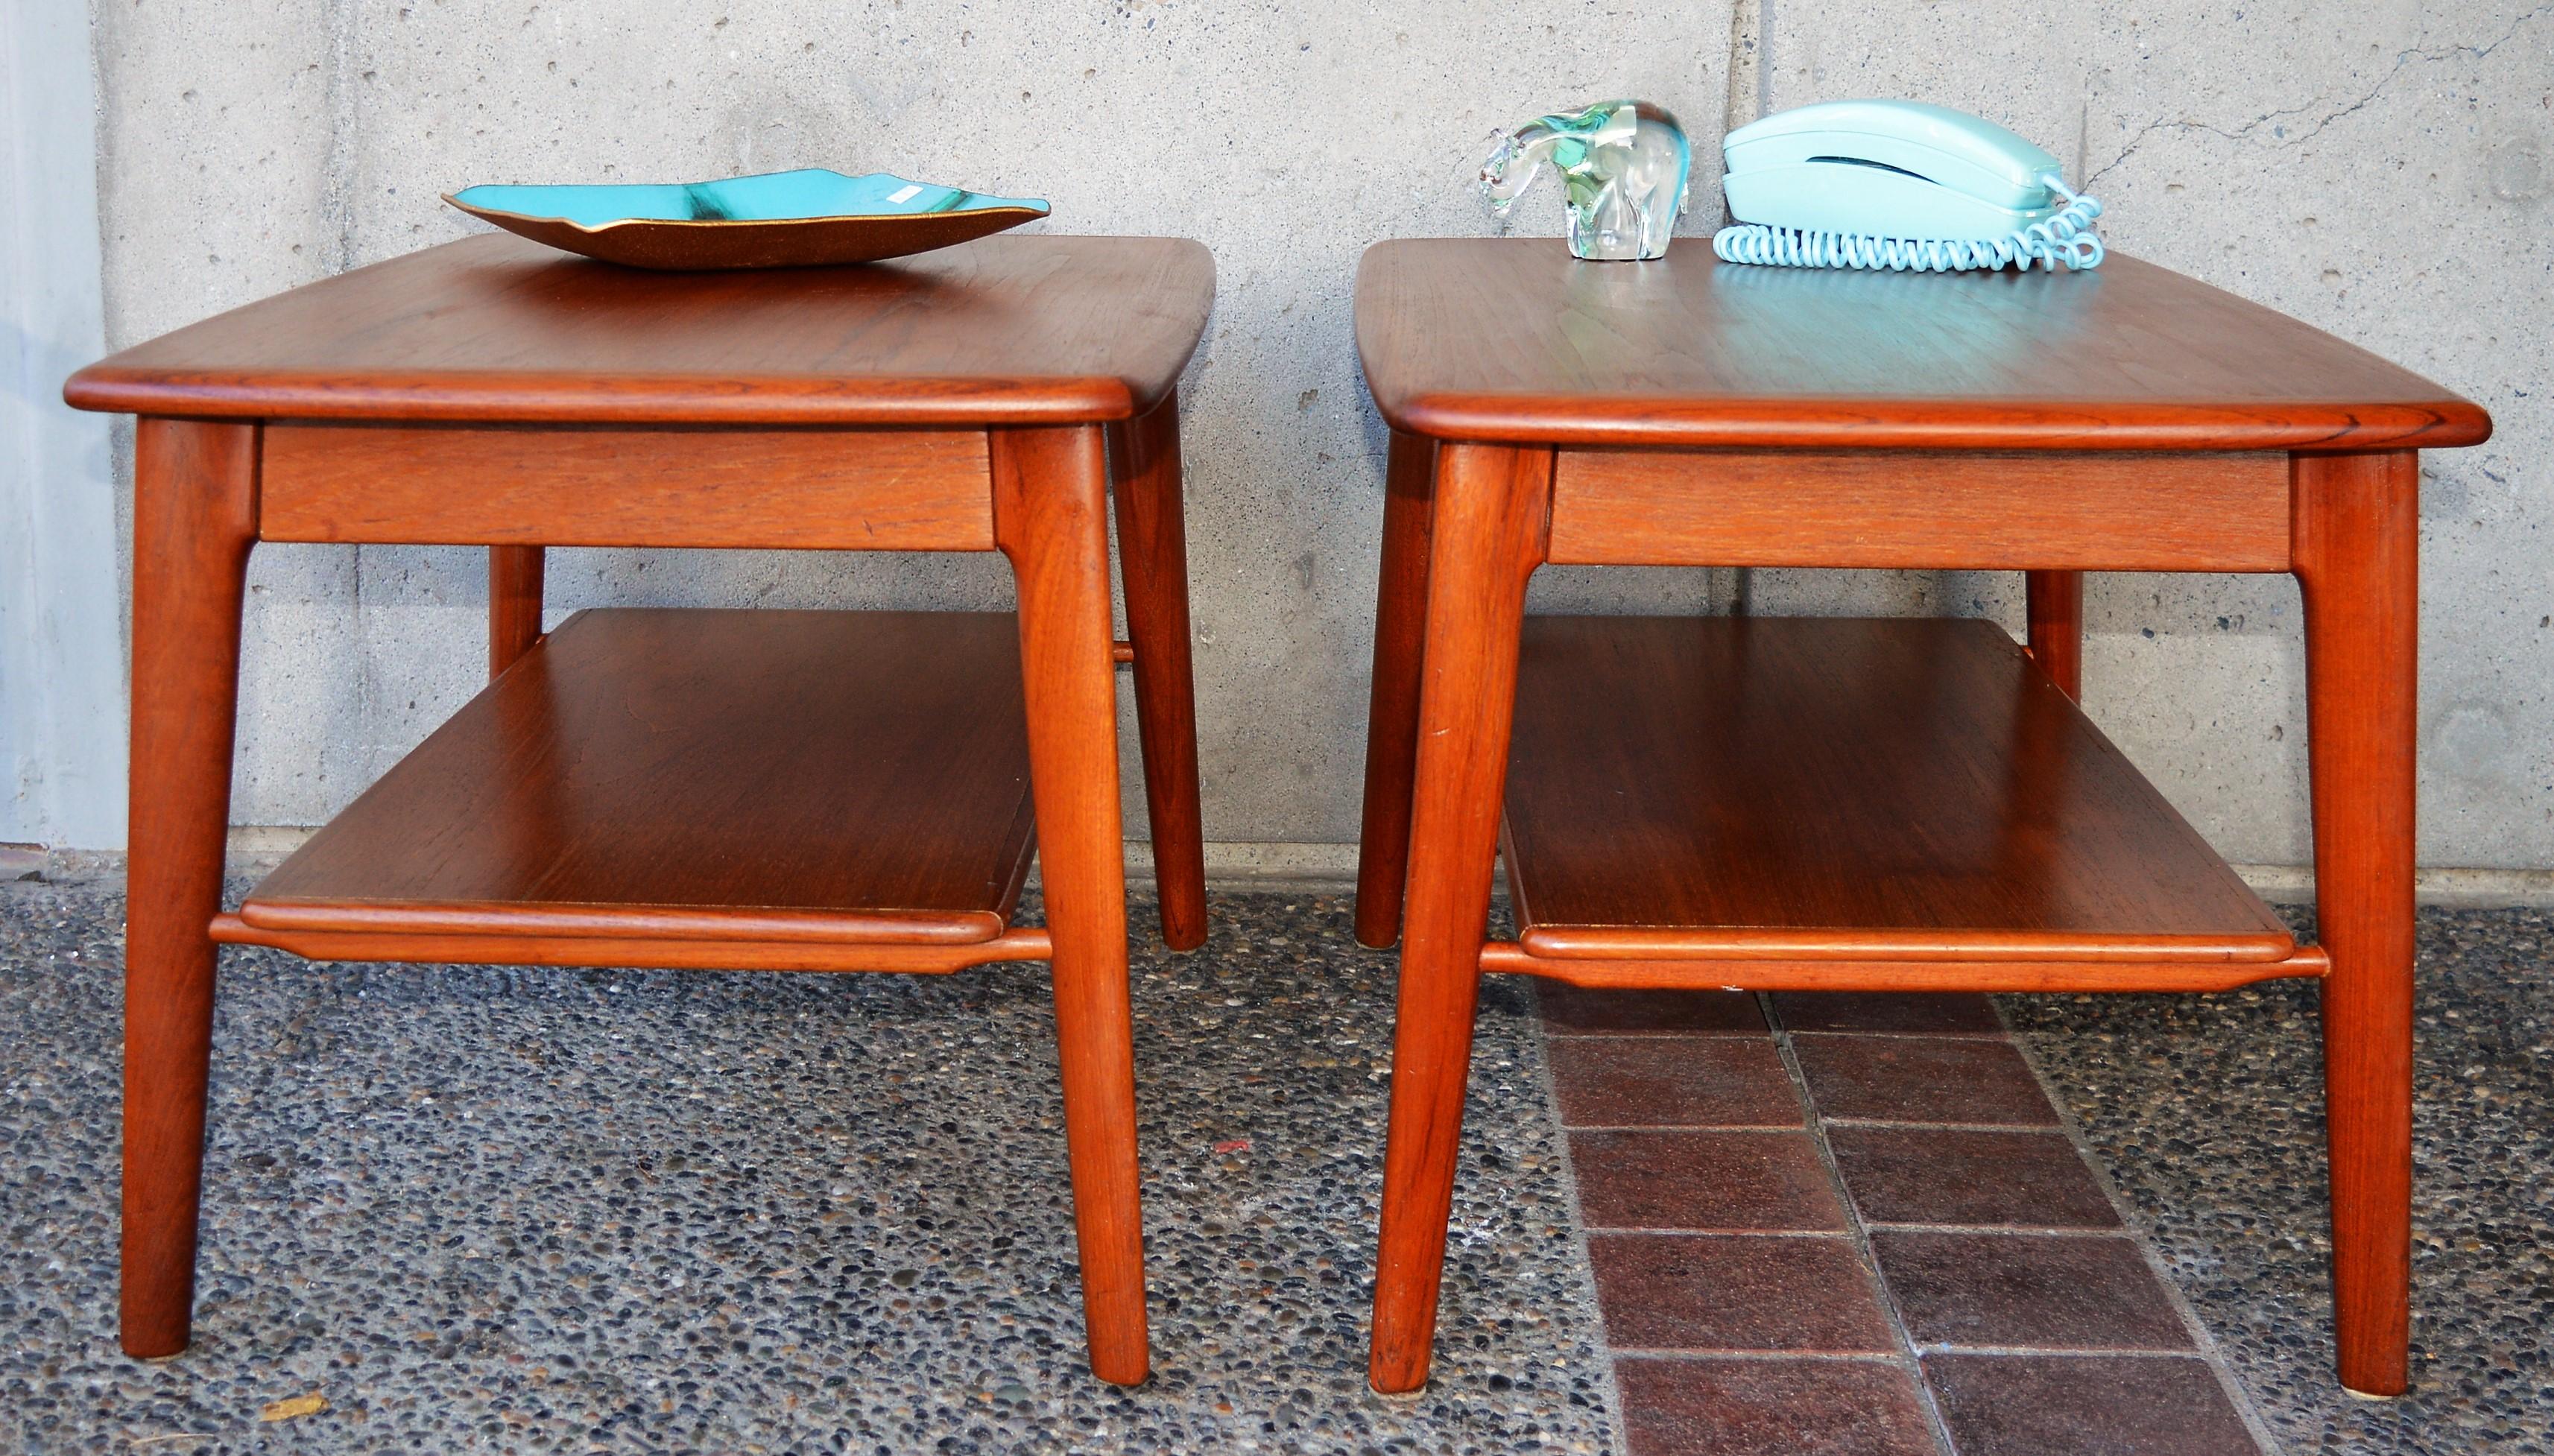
2064	238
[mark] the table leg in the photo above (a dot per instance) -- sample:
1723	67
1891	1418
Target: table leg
2357	559
1153	556
1392	713
2057	611
194	519
1051	518
1489	535
513	604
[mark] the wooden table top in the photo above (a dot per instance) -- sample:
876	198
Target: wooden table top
1513	339
1018	329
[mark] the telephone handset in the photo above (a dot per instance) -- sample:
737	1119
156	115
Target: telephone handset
1898	184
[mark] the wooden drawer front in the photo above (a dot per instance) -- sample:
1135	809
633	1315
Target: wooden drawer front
818	488
1908	508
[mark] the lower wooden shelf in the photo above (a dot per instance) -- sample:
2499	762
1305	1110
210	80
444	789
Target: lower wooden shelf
792	790
1900	803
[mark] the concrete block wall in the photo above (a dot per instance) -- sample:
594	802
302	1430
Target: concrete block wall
2378	170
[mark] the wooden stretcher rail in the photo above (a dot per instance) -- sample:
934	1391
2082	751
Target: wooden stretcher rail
1748	943
1028	944
1508	957
675	923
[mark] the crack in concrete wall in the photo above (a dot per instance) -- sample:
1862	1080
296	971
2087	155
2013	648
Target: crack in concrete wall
2402	61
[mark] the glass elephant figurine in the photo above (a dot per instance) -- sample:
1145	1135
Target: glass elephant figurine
1624	164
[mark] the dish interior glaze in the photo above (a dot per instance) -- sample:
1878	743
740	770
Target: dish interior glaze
780	196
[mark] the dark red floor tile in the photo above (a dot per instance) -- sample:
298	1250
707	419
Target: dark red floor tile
1880	1011
1671	1081
1771	1408
1574	1011
1749	1293
1923	1080
1918	1174
2084	1405
1721	1181
2046	1292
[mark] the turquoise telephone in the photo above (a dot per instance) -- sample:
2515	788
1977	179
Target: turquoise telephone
1898	184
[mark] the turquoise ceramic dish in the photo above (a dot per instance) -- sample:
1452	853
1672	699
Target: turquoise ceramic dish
781	219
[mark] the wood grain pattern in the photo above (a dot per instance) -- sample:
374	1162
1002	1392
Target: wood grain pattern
1153	556
1512	339
2053	606
2358	557
1051	515
512	945
515	581
1904	508
1486	537
1774	973
770	488
1020	329
195	521
1392	713
642	772
1893	788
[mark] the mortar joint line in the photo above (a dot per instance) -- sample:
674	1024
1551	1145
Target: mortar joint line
1909	1356
1897	1034
2141	1237
1835	1357
1682	1127
1999	1230
1658	1232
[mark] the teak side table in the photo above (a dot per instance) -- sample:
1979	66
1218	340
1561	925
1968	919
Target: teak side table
1840	805
778	790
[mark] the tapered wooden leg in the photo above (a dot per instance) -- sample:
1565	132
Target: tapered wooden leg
1051	518
513	604
194	519
1392	710
2057	611
2358	560
1153	554
1488	536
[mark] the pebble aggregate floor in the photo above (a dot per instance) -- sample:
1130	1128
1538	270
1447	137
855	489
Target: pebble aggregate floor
2207	1114
494	1209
